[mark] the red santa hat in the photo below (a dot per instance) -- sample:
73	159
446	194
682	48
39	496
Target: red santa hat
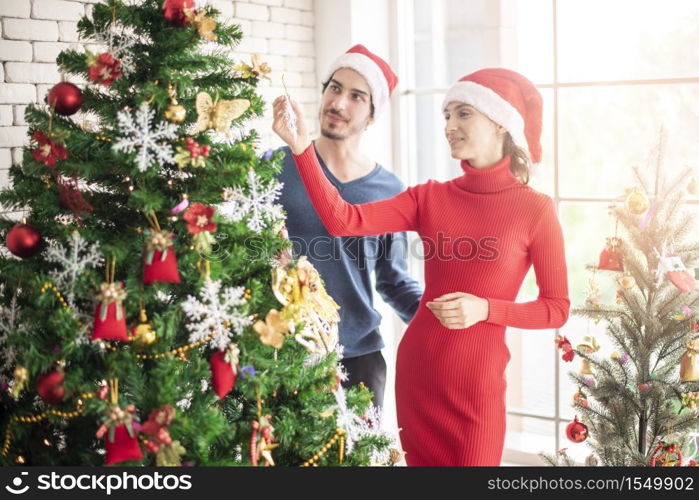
507	98
377	73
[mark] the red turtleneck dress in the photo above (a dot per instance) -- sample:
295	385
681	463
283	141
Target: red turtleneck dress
480	234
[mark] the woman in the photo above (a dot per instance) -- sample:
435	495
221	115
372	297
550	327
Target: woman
481	232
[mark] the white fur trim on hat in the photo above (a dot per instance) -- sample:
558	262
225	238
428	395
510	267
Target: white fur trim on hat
371	73
491	105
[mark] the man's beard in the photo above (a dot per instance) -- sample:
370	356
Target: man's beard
336	136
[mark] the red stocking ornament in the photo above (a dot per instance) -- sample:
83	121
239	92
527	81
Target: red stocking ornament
224	370
677	273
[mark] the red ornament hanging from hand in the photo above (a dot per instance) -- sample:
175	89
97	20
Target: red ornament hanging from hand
65	98
23	240
178	12
576	431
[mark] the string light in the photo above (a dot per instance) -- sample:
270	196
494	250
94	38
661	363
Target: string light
339	435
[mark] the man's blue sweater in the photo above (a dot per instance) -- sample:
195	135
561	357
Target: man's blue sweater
346	263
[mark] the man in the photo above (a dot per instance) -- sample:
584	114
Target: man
357	88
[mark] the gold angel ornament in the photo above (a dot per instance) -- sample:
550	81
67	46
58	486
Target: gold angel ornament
219	114
257	69
300	289
689	366
205	25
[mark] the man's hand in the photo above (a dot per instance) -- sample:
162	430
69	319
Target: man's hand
283	125
459	310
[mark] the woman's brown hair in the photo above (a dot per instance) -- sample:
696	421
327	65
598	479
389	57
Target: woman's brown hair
519	159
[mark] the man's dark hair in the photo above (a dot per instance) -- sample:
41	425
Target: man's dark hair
371	99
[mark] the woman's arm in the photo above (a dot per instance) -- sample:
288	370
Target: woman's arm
344	219
339	217
550	309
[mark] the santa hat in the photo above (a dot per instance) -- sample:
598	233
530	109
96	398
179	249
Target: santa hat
377	73
507	98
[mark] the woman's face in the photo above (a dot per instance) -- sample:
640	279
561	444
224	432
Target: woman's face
472	136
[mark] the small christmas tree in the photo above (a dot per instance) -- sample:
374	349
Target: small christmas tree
639	405
151	312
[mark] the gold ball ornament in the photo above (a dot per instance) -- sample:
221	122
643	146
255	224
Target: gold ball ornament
175	113
693	187
143	333
637	202
627	281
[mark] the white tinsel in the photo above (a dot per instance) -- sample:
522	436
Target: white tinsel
316	357
9	323
119	45
119	41
216	313
138	133
73	261
256	202
186	402
290	119
356	427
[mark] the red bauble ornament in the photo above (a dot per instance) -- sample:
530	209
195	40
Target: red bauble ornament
23	240
576	431
175	11
65	98
124	446
49	387
222	374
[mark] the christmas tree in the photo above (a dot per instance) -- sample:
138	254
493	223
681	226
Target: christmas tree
638	405
150	309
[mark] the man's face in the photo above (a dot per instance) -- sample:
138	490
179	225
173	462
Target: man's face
345	109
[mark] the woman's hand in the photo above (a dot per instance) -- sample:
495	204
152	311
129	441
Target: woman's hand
459	310
294	134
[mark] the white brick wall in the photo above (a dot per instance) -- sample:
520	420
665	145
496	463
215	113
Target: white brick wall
34	32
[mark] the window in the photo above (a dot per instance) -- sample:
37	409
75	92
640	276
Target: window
612	74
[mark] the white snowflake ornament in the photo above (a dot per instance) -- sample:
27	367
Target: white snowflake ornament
217	313
256	203
73	260
139	133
